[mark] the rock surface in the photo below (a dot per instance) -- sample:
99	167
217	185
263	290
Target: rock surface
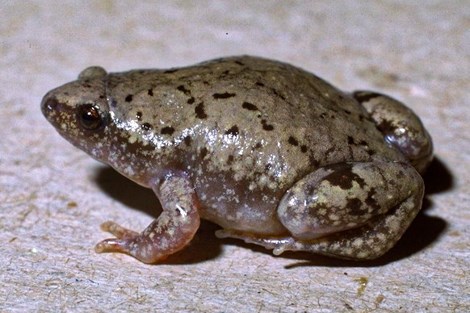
53	197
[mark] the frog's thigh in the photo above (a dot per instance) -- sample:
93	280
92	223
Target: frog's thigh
352	210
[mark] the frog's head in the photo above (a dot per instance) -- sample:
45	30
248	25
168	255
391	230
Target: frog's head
80	112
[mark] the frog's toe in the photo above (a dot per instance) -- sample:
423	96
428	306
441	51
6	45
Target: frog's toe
117	230
112	245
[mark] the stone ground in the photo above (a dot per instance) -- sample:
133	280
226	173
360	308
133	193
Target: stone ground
53	197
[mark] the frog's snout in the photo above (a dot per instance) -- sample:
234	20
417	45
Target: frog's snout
53	110
49	104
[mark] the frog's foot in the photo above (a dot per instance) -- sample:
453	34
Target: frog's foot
120	243
124	238
400	126
352	210
277	244
169	233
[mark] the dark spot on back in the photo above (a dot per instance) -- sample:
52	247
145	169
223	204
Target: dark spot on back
303	148
138	115
258	145
128	98
267	126
293	141
232	131
146	126
150	92
187	140
239	63
191	100
224	95
350	140
323	115
184	90
113	103
249	106
170	71
230	159
347	111
203	152
199	110
168	130
259	84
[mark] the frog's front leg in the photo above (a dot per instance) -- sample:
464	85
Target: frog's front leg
169	233
400	126
351	210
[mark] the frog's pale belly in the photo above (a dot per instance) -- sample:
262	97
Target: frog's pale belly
232	205
273	154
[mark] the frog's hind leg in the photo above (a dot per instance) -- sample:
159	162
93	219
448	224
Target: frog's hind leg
351	210
169	233
400	126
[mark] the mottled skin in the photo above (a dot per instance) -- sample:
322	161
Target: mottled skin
273	154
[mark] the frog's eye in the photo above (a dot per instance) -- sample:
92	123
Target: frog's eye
89	116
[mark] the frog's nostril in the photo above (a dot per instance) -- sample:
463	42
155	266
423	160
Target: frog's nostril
48	105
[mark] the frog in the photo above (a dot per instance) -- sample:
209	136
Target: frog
271	153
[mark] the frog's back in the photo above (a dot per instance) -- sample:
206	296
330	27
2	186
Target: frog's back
253	118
